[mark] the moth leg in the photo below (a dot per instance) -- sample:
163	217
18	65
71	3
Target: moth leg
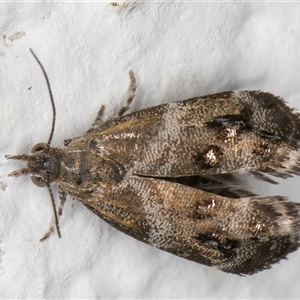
49	231
131	95
62	198
99	121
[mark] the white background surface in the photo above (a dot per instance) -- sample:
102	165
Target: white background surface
177	51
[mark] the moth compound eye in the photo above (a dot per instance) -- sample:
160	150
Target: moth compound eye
38	147
38	181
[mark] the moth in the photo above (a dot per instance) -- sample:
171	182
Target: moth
167	176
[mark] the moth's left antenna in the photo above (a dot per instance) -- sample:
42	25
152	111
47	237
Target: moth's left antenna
46	149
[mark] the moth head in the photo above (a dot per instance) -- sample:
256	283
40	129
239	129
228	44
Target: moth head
43	164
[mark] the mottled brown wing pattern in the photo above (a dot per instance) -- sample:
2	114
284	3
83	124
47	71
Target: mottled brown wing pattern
146	155
239	236
229	132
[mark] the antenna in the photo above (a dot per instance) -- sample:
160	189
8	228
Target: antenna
46	149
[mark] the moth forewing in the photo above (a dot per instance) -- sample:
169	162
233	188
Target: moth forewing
160	176
215	134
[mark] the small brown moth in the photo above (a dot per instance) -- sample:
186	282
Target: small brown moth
163	176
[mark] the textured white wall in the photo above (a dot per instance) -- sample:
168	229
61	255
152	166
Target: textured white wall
177	51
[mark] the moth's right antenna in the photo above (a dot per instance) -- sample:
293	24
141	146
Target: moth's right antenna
47	146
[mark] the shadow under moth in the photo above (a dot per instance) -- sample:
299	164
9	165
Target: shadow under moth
164	175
